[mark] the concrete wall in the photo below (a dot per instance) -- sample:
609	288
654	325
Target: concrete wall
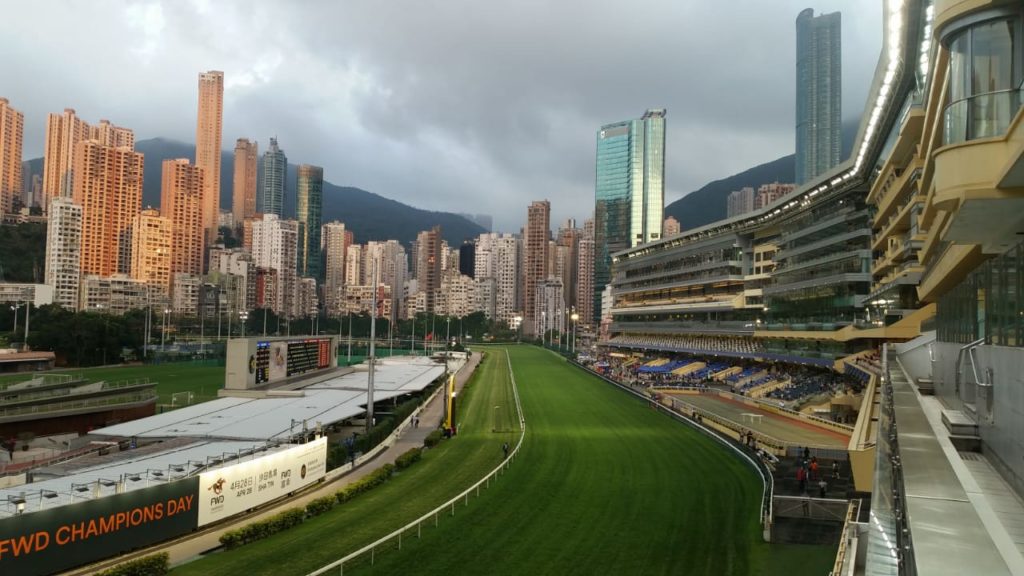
916	355
999	410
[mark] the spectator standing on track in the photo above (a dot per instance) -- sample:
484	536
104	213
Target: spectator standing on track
801	477
807	453
814	468
822	488
504	448
835	469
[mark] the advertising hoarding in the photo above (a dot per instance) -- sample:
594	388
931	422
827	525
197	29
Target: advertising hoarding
239	487
60	538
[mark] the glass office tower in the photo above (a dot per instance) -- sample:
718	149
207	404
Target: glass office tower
629	191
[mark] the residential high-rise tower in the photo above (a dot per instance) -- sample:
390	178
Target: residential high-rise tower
64	251
818	93
108	187
208	139
151	249
535	258
181	200
275	168
243	196
12	126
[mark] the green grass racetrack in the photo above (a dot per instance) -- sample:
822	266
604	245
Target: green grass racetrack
603	485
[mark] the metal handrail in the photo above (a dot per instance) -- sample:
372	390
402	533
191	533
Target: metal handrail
959	361
340	563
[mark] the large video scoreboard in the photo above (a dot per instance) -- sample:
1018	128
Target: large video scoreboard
258	361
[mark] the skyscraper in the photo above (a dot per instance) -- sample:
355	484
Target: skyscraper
308	211
64	251
275	168
671	227
428	265
181	200
497	260
108	187
208	137
336	240
12	125
629	190
63	133
243	196
585	275
274	244
740	202
535	259
818	93
151	249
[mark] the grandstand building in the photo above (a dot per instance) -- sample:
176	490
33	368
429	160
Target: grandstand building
915	243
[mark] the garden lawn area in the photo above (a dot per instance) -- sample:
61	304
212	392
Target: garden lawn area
603	485
203	380
445	470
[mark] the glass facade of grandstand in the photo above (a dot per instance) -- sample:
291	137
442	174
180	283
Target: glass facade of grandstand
987	305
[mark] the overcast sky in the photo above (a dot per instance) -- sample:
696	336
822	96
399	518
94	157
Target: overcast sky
455	105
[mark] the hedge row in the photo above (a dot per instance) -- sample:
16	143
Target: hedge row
434	438
319	506
365	484
263	528
408	458
295	516
155	564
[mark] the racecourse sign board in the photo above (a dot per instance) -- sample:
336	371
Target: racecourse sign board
234	489
60	538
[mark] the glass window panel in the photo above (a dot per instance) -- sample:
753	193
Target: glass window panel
992	57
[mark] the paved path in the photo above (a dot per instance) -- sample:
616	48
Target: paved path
189	547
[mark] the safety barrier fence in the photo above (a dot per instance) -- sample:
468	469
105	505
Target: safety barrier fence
846	542
447	507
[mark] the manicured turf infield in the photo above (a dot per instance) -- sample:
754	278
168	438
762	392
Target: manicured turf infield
603	485
203	380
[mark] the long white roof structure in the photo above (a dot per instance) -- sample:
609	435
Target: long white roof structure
222	430
278	417
132	474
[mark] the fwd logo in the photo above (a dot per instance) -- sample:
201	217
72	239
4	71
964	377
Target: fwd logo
217	487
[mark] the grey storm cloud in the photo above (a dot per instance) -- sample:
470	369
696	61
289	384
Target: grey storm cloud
451	105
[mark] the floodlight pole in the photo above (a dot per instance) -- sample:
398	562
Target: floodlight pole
373	337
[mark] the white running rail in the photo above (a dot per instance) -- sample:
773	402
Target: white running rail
435	513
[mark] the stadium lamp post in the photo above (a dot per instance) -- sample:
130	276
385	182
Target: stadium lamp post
106	323
448	330
350	338
543	327
574	318
243	315
519	327
28	316
15	308
163	331
202	321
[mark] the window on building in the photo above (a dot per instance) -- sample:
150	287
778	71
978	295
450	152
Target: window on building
984	80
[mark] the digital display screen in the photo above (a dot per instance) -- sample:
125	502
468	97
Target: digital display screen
262	362
308	355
